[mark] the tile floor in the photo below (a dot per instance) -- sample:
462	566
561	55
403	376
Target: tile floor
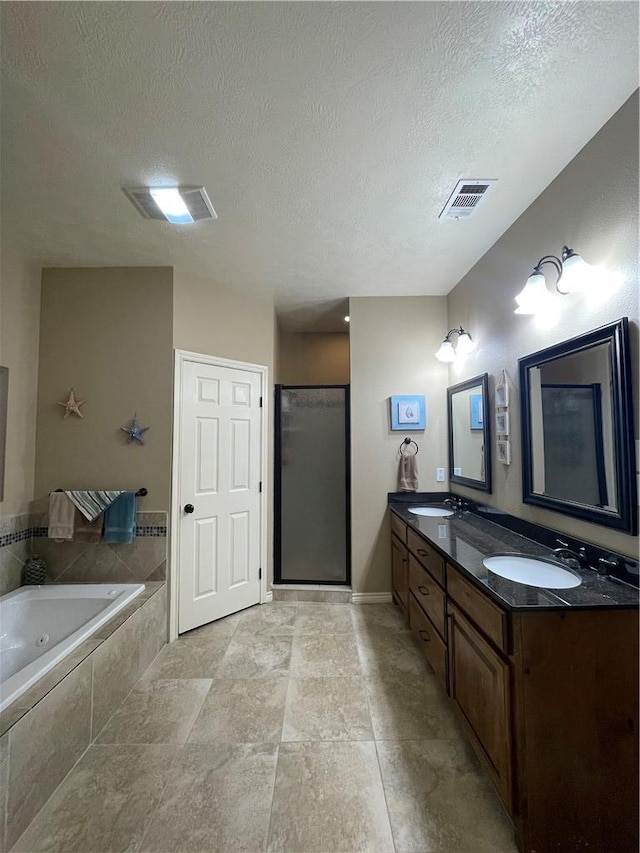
294	727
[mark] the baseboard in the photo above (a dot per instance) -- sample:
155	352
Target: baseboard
371	598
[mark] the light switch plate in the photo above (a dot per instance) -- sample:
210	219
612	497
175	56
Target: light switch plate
439	475
457	472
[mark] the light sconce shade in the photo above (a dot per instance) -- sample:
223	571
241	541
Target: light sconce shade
576	277
447	352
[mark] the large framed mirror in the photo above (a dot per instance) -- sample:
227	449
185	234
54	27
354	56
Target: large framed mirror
469	433
577	428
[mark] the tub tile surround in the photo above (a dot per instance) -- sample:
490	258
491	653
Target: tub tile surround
39	744
278	761
25	535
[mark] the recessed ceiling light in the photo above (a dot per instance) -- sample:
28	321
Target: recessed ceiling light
178	205
172	205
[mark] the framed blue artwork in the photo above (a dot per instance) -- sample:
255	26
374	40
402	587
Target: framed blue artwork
477	414
408	412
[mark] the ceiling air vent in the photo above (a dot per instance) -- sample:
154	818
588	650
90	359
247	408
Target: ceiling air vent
194	199
464	200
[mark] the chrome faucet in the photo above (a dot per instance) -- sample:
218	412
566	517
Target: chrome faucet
457	503
564	551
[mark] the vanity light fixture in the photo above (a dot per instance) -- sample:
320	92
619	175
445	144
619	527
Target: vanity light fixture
574	273
465	345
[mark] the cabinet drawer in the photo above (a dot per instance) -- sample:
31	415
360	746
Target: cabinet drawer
427	593
428	556
399	528
491	620
433	647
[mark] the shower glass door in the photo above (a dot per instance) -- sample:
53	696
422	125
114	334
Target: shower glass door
312	484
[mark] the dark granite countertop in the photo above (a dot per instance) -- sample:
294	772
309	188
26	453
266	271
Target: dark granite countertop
466	538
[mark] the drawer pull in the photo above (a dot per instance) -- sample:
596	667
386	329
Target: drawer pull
423	590
424	636
422	552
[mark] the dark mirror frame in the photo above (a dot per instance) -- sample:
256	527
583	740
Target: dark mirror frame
617	334
483	381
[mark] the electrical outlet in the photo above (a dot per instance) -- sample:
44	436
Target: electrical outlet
457	472
439	475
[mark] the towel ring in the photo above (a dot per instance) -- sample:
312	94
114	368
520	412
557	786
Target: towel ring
406	442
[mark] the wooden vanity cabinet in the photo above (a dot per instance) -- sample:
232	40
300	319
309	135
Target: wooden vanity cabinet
400	573
480	689
549	700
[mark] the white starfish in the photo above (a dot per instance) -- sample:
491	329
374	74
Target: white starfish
72	406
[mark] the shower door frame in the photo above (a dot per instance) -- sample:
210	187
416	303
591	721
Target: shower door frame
277	479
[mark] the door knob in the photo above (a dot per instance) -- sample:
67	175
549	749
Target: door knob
188	507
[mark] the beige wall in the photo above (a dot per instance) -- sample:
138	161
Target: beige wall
19	322
393	341
108	333
212	320
592	207
313	359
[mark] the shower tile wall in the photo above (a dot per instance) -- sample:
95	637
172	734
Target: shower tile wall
25	535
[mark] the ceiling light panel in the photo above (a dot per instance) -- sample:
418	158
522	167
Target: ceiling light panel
182	205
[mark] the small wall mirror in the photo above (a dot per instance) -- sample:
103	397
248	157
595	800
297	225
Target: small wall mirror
469	433
577	428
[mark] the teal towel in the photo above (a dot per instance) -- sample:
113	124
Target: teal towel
120	519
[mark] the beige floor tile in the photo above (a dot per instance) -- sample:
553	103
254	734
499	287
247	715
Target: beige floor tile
276	619
327	709
104	804
193	657
318	656
409	707
224	627
378	617
247	710
329	797
440	801
383	652
248	656
315	618
160	711
219	799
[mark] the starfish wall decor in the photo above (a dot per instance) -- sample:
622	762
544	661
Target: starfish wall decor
134	431
72	406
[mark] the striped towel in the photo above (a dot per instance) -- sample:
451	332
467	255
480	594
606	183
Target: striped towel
92	503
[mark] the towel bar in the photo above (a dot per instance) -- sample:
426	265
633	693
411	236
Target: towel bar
141	493
407	441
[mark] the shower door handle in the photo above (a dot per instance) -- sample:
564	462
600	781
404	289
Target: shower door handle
189	508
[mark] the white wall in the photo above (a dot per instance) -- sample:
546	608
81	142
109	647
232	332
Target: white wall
19	323
393	341
592	206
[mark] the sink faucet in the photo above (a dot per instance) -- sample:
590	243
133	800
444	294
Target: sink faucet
564	551
457	503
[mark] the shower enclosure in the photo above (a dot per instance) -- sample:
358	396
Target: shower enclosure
312	509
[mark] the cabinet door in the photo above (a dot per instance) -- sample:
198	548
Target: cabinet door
480	689
400	572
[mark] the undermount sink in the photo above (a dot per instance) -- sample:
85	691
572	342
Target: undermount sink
532	571
434	511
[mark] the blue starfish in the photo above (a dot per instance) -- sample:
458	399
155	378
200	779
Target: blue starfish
134	431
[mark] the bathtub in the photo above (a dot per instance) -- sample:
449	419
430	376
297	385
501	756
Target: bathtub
40	625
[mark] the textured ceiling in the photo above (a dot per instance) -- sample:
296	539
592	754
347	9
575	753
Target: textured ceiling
328	135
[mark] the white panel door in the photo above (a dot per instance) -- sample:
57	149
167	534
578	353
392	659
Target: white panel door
220	465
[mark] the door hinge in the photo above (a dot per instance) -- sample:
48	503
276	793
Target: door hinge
260	486
260	402
260	574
